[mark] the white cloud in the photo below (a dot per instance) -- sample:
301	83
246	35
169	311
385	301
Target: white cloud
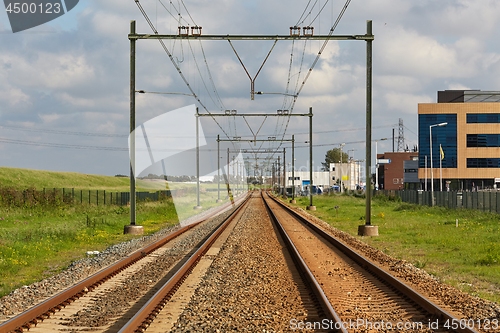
48	70
408	53
406	103
75	101
49	118
15	97
398	82
78	80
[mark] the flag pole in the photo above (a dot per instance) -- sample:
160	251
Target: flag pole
441	156
425	183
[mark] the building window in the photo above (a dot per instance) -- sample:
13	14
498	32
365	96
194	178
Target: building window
483	163
483	140
446	136
483	118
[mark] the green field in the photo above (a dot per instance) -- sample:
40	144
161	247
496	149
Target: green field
467	256
26	178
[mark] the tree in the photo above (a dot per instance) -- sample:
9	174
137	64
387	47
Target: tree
333	156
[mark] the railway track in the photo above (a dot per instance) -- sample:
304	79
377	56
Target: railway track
246	273
72	302
365	298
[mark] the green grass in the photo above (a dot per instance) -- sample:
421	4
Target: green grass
26	178
467	256
36	243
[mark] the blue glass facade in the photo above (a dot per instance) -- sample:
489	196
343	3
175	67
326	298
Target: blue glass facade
483	140
444	135
483	163
483	118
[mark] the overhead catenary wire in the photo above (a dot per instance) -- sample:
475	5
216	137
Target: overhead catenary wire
281	122
319	12
183	77
325	43
210	77
51	131
202	79
272	151
176	17
59	145
279	128
113	135
320	52
302	18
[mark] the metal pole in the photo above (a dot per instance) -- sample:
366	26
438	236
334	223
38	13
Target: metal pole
284	171
272	177
198	206
368	124
228	174
293	167
218	168
279	175
311	207
359	173
425	183
376	165
432	173
132	125
237	166
340	166
440	170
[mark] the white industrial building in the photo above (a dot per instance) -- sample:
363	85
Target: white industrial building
349	173
302	181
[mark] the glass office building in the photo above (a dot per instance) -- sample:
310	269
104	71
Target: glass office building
465	129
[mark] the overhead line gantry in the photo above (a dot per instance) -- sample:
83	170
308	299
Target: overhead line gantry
195	34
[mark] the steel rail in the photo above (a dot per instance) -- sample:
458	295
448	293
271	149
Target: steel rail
45	309
143	318
305	272
384	276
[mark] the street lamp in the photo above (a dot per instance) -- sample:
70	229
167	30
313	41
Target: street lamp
349	155
376	162
430	146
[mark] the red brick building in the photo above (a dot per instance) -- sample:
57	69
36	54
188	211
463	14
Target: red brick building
391	175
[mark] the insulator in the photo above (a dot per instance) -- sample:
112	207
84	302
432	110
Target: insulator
183	31
196	31
308	31
295	31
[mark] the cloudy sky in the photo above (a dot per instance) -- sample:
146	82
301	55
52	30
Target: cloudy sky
64	85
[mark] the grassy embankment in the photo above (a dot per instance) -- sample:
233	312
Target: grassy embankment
467	256
42	239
